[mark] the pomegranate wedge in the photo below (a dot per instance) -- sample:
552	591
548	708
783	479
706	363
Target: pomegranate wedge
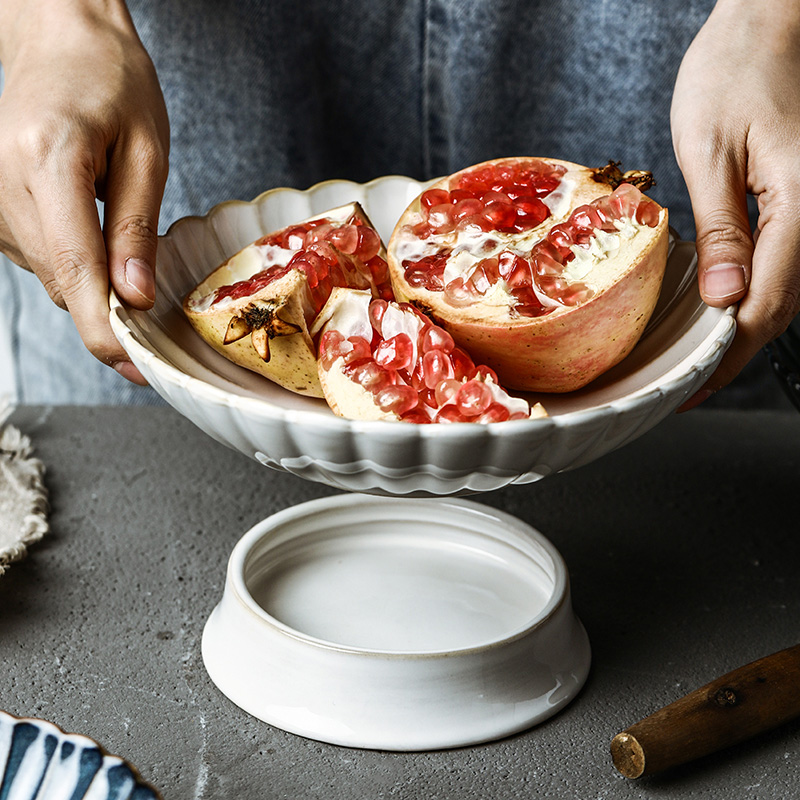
544	270
381	360
257	308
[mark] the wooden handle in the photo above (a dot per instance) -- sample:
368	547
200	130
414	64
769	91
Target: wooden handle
730	709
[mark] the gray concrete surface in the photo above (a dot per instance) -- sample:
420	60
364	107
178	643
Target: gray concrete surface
684	551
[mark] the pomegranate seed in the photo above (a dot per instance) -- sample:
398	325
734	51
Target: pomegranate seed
648	213
434	197
585	217
546	184
416	416
466	208
377	308
459	294
399	399
440	218
330	348
344	238
457	195
624	200
560	236
527	303
379	270
395	353
473	398
501	215
446	390
317	234
496	197
545	264
436	367
474	224
361	349
369	243
370	375
449	413
530	212
463	365
436	338
495	413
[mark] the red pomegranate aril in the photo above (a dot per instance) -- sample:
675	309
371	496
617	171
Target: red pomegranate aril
575	294
501	215
441	217
434	197
561	237
379	270
416	416
463	365
399	399
648	213
466	208
585	217
436	367
330	348
527	303
369	375
449	413
446	390
395	353
457	195
624	201
377	308
436	338
344	238
369	243
474	224
459	293
495	413
473	398
545	264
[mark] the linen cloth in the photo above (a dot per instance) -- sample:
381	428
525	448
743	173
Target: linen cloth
23	496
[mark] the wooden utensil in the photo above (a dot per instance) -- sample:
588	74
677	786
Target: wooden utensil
751	699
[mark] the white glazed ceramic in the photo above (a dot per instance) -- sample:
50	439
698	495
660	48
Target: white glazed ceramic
683	343
396	624
39	761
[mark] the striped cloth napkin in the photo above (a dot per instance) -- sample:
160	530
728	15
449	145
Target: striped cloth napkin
23	496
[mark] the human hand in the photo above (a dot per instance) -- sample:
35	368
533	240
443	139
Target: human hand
736	128
81	117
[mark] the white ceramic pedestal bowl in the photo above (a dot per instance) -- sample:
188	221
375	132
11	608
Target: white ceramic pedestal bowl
396	624
680	348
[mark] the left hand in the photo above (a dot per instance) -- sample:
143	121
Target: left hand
736	128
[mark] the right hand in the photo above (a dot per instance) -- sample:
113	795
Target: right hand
82	118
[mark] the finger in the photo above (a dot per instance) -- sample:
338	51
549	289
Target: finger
773	298
75	253
718	193
134	188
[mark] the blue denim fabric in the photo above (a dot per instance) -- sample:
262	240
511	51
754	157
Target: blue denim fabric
287	94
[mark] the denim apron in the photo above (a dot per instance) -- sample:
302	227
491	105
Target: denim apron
281	93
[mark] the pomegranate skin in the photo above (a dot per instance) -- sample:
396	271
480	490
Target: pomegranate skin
569	346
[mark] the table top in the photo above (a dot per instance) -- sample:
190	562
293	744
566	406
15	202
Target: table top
683	550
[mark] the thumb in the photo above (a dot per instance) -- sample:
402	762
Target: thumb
134	190
724	240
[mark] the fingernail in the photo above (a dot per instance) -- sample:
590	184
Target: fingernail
722	281
695	400
139	276
129	372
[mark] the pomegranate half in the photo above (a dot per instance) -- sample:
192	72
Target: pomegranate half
545	270
257	308
382	360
